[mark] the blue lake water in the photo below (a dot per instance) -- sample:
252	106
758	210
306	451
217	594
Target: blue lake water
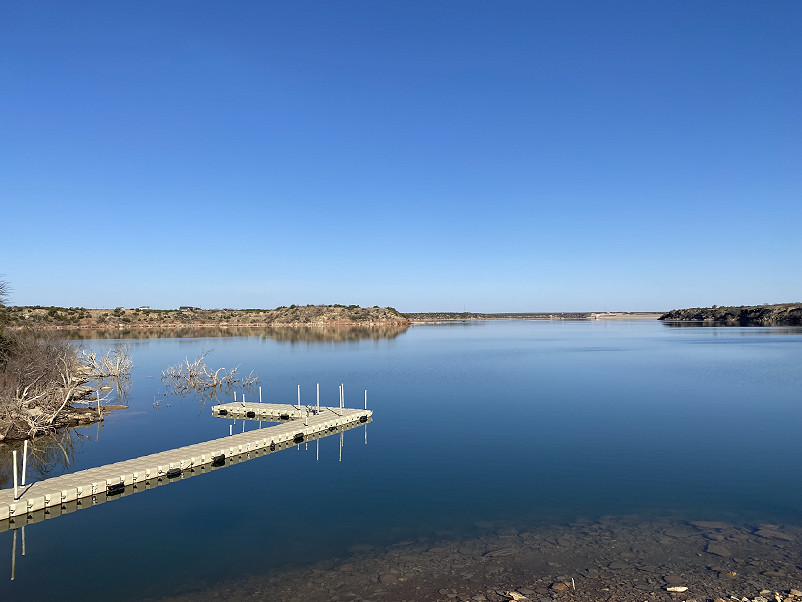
529	422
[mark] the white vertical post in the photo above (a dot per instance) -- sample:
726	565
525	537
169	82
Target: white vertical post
23	540
299	397
260	394
366	399
243	397
24	463
243	425
366	434
235	396
341	447
318	398
230	429
317	456
16	495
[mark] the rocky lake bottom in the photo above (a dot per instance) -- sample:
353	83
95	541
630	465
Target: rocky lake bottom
620	559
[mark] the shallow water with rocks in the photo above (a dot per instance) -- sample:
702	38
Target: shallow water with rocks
615	558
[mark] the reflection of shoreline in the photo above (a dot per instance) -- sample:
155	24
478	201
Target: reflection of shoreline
613	558
290	334
743	328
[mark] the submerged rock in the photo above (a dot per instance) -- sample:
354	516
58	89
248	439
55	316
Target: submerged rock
718	550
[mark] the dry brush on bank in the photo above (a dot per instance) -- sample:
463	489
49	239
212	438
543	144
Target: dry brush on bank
43	377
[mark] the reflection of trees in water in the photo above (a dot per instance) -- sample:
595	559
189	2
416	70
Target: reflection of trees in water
288	334
331	334
47	454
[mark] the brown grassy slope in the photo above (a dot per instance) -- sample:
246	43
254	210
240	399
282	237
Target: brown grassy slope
324	315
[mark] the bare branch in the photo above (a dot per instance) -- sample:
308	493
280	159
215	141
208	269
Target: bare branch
196	378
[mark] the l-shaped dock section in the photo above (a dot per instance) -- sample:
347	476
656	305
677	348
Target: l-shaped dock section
299	424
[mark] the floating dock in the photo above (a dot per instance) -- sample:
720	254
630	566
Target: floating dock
66	493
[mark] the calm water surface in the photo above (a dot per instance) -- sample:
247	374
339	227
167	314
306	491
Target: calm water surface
535	423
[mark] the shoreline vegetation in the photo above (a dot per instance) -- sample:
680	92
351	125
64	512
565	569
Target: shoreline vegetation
778	314
45	384
69	318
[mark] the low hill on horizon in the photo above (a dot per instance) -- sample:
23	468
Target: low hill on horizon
305	315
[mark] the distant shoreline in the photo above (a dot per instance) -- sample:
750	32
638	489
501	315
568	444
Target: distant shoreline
434	317
145	318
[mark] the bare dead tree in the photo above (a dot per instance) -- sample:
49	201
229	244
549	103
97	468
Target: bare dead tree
117	363
5	291
197	378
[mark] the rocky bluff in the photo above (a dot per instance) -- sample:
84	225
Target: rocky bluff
781	314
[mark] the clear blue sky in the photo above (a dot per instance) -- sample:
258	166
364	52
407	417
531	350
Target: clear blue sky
436	155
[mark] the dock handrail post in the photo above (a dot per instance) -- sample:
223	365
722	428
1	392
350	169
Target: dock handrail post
235	396
230	429
16	494
299	397
260	394
366	399
318	398
24	460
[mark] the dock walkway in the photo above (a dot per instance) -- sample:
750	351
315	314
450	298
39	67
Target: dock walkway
96	485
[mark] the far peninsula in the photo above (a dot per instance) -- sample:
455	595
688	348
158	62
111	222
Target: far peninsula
778	314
